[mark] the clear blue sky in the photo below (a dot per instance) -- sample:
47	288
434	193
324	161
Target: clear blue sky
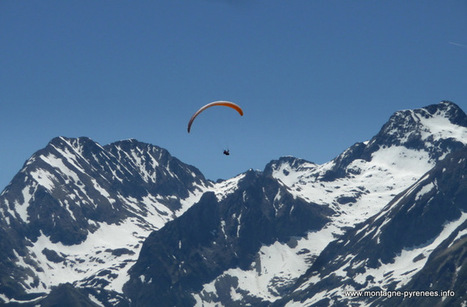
313	77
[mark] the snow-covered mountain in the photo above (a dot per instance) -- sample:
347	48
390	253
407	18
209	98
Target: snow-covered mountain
416	242
78	212
356	185
128	224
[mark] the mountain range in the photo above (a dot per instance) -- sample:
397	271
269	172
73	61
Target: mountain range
127	224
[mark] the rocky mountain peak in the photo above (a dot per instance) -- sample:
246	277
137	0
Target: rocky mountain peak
75	191
285	165
414	128
436	129
450	110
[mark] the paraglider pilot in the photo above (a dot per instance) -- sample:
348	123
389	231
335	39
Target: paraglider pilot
226	152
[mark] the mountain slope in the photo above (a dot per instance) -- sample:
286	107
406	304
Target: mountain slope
79	211
401	247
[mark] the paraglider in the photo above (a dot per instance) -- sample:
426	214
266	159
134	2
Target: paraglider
215	103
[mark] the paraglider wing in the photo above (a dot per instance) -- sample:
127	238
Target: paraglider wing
215	103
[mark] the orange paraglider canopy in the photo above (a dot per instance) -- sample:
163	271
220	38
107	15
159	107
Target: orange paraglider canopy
215	103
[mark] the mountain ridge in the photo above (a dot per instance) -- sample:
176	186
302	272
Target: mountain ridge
412	224
92	217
